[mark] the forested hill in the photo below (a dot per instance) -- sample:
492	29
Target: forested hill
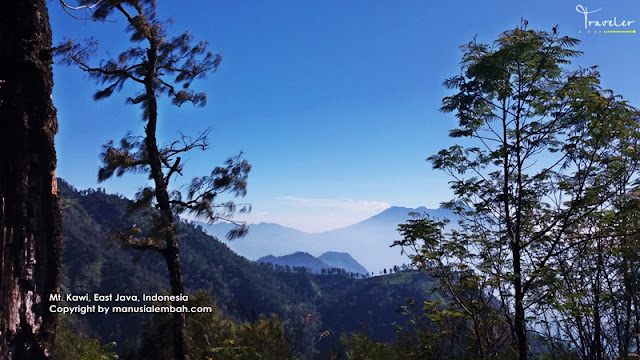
242	289
326	263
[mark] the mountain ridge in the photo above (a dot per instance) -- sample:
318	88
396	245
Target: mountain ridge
327	261
367	241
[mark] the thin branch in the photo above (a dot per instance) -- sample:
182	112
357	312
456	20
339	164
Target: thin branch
66	7
144	247
86	6
119	72
174	168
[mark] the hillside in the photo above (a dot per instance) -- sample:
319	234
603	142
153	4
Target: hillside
242	289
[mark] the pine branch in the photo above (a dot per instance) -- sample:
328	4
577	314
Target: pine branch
143	247
174	168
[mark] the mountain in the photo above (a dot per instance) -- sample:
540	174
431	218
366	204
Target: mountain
327	260
263	239
338	304
343	261
298	259
368	241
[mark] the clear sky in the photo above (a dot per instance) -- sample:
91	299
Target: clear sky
334	103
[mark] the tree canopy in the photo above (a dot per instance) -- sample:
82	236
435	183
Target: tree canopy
541	151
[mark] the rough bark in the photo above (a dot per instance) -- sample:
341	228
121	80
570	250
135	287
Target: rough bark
171	252
30	240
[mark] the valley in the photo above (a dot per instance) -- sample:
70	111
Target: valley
337	303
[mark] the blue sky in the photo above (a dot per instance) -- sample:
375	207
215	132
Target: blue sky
334	103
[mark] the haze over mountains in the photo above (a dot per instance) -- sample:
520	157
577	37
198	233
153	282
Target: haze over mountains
368	241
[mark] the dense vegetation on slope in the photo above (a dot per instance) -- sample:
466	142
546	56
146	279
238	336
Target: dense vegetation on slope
316	309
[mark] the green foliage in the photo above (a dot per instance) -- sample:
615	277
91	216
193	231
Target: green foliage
444	330
436	330
262	339
361	347
545	150
71	346
465	317
212	336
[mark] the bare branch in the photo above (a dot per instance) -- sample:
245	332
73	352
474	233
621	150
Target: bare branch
66	7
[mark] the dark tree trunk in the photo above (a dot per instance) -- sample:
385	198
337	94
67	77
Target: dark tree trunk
171	251
177	288
597	325
30	241
520	324
513	235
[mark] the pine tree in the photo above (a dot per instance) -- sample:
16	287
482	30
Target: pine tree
30	238
149	64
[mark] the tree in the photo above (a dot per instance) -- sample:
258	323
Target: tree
526	179
211	336
148	65
72	346
30	240
361	347
467	319
597	309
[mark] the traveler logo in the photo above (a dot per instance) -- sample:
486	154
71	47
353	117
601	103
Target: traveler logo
593	24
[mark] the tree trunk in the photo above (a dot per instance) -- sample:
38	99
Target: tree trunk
177	288
520	321
30	241
171	251
597	325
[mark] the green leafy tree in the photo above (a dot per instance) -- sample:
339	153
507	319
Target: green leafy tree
525	179
72	346
598	304
211	336
464	317
159	65
361	347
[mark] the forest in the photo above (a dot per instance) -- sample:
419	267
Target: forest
542	259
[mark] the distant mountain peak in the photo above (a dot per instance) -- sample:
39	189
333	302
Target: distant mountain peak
335	252
367	241
297	259
328	260
302	253
343	260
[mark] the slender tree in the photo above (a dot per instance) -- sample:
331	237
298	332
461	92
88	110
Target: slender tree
30	238
149	65
597	271
525	180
